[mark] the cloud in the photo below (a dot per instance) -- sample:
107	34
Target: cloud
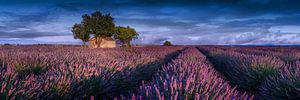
22	25
286	29
178	21
25	34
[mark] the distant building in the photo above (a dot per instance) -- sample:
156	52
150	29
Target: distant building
104	42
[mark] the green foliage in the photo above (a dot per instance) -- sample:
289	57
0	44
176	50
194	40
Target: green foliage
247	72
80	32
101	25
98	24
257	76
282	86
167	43
59	91
11	87
94	86
125	34
26	70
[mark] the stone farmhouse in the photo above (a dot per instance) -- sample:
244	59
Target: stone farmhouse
103	42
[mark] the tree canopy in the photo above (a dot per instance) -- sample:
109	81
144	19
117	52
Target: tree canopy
167	43
125	34
99	24
102	25
79	32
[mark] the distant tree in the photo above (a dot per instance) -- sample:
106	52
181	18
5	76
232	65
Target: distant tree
80	32
125	35
167	43
7	44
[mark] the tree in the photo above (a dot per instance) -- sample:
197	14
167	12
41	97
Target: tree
80	32
102	25
125	35
99	24
167	43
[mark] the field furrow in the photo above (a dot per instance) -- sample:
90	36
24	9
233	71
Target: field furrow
150	72
189	76
70	72
265	76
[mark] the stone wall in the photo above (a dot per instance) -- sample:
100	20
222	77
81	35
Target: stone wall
106	42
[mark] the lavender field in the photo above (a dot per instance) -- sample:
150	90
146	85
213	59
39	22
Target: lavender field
150	73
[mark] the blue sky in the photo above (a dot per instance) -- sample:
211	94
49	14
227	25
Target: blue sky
179	21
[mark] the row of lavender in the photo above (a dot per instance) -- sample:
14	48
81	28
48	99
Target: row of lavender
46	56
189	76
49	72
289	54
267	76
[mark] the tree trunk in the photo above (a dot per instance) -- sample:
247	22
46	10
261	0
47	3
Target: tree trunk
84	44
98	41
126	44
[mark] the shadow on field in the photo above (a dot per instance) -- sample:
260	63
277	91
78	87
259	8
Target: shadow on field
219	67
116	83
246	80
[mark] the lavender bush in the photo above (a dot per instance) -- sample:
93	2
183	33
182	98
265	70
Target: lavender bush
285	85
189	76
10	86
50	72
152	72
245	71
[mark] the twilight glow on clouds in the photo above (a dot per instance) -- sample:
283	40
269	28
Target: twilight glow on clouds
179	21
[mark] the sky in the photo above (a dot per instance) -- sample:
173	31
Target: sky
185	22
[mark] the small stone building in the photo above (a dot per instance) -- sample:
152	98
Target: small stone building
103	42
